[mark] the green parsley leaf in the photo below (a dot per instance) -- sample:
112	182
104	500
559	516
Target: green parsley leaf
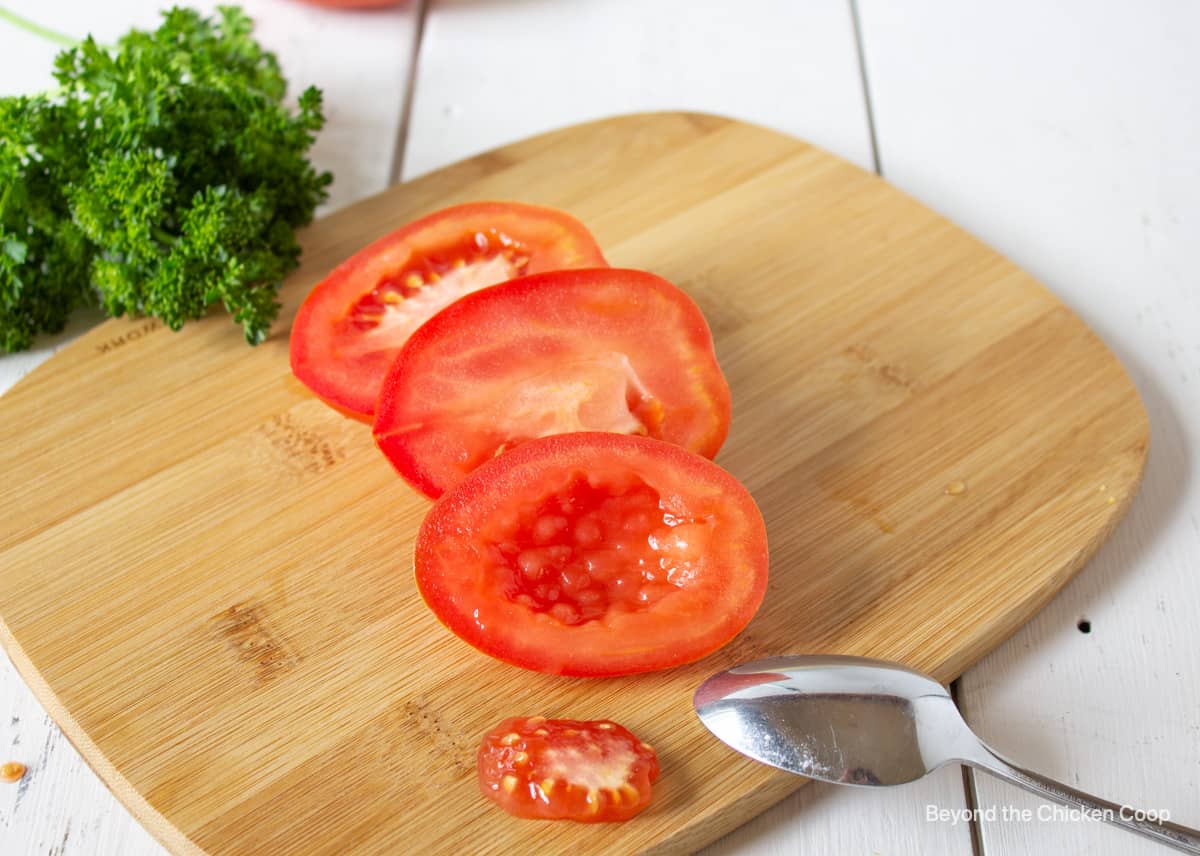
164	176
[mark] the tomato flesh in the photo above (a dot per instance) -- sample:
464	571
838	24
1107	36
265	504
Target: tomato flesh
590	548
354	322
581	350
390	312
551	769
594	554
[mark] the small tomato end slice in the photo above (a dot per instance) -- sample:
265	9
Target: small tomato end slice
566	769
607	349
594	554
354	321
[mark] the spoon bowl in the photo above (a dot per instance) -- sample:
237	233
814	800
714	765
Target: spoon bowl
871	723
847	720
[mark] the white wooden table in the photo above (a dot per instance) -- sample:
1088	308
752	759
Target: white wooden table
1065	134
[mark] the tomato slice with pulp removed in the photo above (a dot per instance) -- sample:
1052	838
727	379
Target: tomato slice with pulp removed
594	554
352	324
553	769
581	350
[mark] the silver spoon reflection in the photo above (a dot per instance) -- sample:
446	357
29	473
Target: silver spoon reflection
855	721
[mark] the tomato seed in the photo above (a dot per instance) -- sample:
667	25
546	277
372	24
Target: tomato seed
588	533
564	535
548	529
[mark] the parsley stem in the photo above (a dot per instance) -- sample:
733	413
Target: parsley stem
38	30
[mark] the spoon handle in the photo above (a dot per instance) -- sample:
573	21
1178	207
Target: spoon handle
1124	816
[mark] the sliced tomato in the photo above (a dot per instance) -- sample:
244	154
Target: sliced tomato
351	325
554	769
594	554
584	350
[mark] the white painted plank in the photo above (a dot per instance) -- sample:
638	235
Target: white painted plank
361	62
492	73
60	806
821	818
1065	134
489	74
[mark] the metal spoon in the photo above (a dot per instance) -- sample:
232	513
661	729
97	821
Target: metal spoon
855	721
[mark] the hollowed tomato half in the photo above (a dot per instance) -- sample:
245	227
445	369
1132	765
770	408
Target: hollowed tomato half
584	350
354	321
594	554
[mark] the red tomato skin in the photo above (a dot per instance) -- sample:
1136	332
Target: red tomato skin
556	239
516	769
697	420
459	585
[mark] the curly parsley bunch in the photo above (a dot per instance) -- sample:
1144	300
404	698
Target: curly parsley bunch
162	177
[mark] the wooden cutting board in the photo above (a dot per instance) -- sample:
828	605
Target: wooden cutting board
205	574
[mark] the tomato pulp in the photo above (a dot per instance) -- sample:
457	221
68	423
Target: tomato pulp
353	323
552	769
606	349
594	554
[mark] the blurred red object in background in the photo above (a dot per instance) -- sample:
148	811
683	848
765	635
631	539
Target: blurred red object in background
353	4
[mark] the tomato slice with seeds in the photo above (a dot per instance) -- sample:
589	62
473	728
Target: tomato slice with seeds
353	323
580	350
594	554
554	769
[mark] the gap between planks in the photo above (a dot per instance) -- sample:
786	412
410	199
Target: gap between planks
968	779
860	50
970	796
410	90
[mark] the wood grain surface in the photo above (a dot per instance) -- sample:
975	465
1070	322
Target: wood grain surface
205	573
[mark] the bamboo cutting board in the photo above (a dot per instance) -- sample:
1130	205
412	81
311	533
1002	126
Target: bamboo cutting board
205	574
